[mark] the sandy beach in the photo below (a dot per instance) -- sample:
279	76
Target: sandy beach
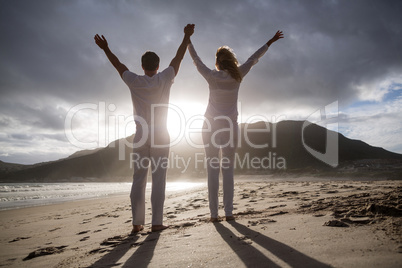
279	223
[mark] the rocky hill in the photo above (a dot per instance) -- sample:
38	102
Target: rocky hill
288	147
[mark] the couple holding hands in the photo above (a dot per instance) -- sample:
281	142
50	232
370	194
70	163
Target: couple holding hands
220	127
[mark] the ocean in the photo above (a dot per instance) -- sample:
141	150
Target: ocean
19	195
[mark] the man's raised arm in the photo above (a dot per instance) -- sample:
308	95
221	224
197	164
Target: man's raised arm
175	63
102	43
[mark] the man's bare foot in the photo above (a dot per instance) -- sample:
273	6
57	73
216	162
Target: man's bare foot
158	228
230	218
137	228
213	219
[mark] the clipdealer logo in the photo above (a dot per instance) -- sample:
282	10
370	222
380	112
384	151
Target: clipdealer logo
199	162
326	117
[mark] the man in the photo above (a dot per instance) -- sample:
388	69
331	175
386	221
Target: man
150	97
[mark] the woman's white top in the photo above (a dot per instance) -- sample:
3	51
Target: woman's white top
223	89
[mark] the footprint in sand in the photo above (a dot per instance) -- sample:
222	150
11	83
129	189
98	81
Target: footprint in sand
18	239
84	238
103	224
86	221
107	214
83	232
278	213
114	241
245	240
44	251
183	225
261	221
332	192
136	244
335	223
119	209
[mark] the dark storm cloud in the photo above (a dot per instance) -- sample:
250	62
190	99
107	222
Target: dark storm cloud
333	50
330	46
46	50
30	115
29	137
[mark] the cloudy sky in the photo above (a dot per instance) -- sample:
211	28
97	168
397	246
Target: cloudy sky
59	93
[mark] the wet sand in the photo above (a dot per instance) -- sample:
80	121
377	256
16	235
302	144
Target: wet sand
279	223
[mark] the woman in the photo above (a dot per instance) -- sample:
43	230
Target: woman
220	129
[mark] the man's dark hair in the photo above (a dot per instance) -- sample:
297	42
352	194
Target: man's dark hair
150	61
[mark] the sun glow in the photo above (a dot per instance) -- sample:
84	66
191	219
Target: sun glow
184	117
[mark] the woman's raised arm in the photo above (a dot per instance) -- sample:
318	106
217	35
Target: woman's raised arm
276	37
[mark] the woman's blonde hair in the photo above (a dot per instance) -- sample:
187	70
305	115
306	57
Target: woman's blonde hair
226	60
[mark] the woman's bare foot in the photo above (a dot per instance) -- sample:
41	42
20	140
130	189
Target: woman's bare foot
230	218
137	228
158	228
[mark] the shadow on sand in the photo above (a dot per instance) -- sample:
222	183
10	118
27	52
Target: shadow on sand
140	258
252	257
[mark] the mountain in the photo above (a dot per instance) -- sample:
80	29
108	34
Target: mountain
287	147
10	167
83	152
291	145
292	139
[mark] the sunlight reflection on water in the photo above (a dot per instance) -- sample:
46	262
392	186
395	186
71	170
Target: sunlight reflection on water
181	186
